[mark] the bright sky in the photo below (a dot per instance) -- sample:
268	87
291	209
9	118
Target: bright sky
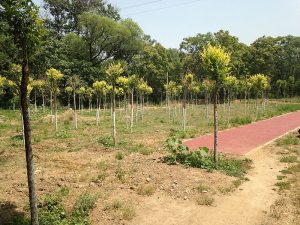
169	21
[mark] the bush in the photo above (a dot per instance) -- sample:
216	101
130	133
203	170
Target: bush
202	158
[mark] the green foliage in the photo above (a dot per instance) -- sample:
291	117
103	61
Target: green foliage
62	134
289	159
241	120
83	205
106	141
201	158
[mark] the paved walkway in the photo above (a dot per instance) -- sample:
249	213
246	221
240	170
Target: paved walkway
243	139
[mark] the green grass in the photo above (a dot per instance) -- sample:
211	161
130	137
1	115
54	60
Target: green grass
289	159
288	140
205	200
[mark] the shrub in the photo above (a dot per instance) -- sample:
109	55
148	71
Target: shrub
202	158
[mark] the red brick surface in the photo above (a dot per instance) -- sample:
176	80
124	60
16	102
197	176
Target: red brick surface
243	139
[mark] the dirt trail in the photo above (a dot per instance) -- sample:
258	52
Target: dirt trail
246	206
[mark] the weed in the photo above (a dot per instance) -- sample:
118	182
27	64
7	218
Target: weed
280	177
286	171
116	204
106	141
283	185
146	190
146	151
84	204
202	188
289	159
63	134
128	212
119	155
241	120
237	183
288	140
120	173
205	200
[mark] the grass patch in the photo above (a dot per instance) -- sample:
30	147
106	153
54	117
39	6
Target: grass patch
282	185
201	188
126	210
106	141
146	190
289	159
288	140
205	200
241	120
119	155
280	177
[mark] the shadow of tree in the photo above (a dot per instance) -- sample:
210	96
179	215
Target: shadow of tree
9	215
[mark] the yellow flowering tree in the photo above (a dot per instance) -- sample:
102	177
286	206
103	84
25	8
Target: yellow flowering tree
215	62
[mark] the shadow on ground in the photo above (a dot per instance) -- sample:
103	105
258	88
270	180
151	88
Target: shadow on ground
9	215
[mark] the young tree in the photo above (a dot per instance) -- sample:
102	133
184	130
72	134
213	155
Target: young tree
113	72
74	82
26	29
187	83
100	88
2	83
38	86
230	84
81	93
69	91
260	84
90	93
123	83
54	77
132	85
215	62
172	91
207	86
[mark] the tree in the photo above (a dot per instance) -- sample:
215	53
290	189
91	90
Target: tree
113	72
100	88
215	62
260	83
38	86
230	84
69	91
54	77
27	31
132	85
74	83
187	83
2	83
90	93
81	93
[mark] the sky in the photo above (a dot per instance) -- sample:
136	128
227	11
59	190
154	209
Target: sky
169	21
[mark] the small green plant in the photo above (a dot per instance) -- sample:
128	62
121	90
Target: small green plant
205	200
119	155
280	177
146	190
241	120
128	212
62	134
84	204
283	185
202	158
106	141
289	159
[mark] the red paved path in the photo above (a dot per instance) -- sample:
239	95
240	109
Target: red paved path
243	139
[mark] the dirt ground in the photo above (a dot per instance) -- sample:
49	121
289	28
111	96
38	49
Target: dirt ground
140	189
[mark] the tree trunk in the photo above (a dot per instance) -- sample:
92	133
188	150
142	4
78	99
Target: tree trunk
184	108
215	128
131	115
55	107
75	113
97	110
51	106
137	108
35	105
114	115
27	137
68	101
43	96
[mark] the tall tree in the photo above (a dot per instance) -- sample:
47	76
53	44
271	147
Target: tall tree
215	62
113	72
26	31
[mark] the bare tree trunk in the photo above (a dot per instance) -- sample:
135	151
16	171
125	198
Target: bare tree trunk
131	116
35	105
184	108
75	113
137	108
114	115
68	101
55	107
215	128
97	110
43	96
51	106
27	137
